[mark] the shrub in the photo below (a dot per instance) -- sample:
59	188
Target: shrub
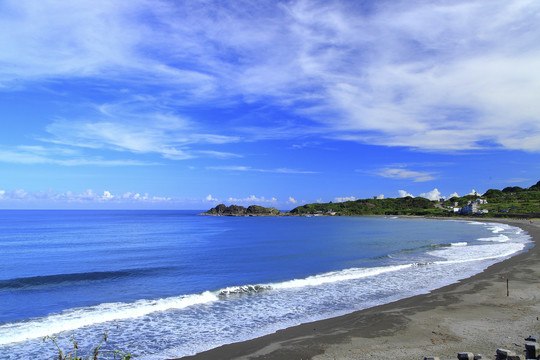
96	352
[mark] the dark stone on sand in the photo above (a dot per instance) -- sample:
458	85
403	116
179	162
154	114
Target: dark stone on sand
465	356
533	350
503	354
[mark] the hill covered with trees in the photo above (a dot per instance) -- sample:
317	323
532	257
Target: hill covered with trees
512	201
509	202
399	206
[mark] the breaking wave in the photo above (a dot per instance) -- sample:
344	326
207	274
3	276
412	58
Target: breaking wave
224	313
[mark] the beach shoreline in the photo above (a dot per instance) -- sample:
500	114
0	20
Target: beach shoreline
474	315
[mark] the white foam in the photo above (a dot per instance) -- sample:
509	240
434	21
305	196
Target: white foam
463	254
499	238
472	222
244	289
78	318
237	318
497	228
509	241
336	276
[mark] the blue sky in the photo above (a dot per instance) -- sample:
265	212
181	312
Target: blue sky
187	104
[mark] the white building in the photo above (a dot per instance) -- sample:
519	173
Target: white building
472	207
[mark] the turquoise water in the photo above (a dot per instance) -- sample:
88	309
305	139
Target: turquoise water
172	283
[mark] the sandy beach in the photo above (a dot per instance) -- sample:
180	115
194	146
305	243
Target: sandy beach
474	315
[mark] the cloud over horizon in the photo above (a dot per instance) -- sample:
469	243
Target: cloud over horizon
88	196
434	194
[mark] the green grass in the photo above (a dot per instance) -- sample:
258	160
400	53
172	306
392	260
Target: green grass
96	352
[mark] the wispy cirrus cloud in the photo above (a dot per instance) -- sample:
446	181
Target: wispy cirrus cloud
32	155
130	128
426	75
430	77
250	169
405	174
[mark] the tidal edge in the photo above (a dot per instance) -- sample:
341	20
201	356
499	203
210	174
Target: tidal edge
474	314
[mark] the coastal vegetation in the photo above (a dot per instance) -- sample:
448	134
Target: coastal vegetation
236	210
511	201
96	352
514	200
392	206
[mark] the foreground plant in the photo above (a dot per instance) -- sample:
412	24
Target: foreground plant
96	351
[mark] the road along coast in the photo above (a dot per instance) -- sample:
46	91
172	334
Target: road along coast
473	315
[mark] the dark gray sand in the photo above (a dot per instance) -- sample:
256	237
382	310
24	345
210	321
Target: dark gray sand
474	315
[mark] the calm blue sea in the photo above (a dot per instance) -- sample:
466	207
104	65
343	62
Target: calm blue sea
166	284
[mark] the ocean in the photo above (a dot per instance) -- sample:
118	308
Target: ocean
165	284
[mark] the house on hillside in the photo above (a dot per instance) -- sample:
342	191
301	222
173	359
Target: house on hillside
472	207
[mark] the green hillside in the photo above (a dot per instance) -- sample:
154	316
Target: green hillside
511	201
508	202
399	206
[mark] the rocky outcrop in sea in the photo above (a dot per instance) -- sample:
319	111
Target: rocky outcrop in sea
236	210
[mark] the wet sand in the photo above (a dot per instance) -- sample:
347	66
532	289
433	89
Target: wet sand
473	315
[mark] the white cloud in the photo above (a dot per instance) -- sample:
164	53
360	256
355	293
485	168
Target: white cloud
473	192
231	168
344	198
431	195
403	193
134	196
87	197
435	83
401	173
60	156
435	76
210	198
18	194
292	200
454	194
107	195
130	130
215	154
161	198
381	196
248	168
252	200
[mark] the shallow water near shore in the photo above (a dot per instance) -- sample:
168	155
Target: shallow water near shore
166	284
